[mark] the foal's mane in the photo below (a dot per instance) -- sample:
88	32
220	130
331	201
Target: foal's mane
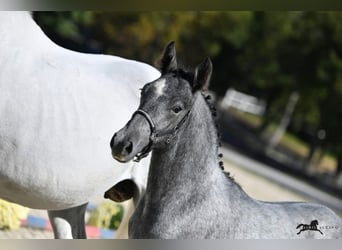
189	76
213	111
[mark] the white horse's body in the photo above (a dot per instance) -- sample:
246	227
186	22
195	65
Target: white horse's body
58	110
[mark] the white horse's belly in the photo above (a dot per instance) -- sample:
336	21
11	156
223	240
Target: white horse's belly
56	166
59	162
54	135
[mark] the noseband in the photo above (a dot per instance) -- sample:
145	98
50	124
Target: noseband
170	133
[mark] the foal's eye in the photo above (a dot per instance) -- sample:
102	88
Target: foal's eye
177	109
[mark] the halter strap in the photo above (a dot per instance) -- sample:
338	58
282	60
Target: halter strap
155	134
148	118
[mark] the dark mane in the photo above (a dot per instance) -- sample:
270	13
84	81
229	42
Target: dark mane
213	111
185	74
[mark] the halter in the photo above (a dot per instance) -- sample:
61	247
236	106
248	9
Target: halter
157	134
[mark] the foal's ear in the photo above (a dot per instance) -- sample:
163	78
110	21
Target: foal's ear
202	75
168	61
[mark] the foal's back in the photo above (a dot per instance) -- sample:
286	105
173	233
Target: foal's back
228	212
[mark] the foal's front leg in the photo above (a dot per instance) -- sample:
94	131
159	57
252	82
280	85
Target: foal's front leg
69	223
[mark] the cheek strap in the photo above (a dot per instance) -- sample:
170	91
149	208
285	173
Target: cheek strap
170	133
146	150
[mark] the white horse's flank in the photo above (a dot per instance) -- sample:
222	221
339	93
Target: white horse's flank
58	109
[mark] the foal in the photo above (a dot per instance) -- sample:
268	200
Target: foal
188	195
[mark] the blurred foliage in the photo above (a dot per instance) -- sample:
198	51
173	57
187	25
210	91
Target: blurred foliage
11	215
266	54
107	215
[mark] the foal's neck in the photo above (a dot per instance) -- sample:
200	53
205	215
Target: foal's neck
190	161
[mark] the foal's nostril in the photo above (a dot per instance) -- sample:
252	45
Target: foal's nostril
128	148
112	141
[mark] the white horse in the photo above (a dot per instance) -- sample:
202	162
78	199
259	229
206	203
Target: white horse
58	109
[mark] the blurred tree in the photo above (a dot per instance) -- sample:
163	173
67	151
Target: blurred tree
72	30
313	55
287	51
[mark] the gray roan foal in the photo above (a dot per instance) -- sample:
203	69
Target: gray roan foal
188	195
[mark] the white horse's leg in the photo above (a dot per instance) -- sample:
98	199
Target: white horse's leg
68	223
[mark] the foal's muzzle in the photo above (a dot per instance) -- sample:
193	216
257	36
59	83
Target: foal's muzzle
130	142
121	150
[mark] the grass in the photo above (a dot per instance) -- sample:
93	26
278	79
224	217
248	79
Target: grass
291	142
328	163
251	119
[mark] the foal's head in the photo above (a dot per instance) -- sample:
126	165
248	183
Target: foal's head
165	105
